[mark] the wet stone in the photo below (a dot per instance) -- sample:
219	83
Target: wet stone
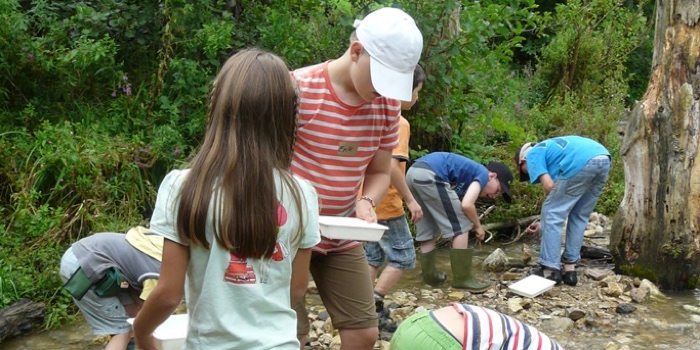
323	315
558	324
596	274
510	276
456	296
636	282
639	295
496	261
575	314
614	289
693	309
625	309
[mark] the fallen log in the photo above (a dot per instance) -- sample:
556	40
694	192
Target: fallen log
512	223
515	224
18	318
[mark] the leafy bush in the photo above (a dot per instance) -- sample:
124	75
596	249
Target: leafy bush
100	99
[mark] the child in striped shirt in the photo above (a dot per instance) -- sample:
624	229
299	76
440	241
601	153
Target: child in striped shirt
468	327
348	126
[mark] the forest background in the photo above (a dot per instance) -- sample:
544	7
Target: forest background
100	99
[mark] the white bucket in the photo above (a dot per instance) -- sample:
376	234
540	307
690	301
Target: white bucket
170	335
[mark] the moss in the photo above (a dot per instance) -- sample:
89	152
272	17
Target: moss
640	271
673	250
694	281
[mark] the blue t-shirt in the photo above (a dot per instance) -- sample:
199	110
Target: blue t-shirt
561	157
458	170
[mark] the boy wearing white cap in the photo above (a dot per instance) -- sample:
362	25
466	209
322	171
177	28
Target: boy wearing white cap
348	125
573	171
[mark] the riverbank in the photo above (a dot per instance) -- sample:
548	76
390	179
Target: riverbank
585	317
604	311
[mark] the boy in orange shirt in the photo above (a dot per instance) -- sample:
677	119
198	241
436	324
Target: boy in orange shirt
396	244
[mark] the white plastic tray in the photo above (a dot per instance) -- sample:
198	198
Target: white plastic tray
171	334
531	286
339	227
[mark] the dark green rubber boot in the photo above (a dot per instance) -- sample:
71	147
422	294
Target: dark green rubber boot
462	278
431	275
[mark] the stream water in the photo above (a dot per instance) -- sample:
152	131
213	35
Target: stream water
671	327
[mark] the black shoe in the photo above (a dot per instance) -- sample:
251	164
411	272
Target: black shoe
552	274
570	278
378	303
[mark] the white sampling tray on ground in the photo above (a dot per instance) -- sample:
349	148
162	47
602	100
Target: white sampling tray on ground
340	227
171	334
531	286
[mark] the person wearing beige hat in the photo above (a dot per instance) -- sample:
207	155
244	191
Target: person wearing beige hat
573	171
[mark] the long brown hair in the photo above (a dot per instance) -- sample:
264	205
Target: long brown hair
251	128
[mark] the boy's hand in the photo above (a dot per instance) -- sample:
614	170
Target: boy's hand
479	233
148	343
415	210
365	211
533	229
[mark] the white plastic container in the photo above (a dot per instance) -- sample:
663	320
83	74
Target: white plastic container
170	335
531	286
340	227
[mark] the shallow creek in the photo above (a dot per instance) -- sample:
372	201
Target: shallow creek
658	324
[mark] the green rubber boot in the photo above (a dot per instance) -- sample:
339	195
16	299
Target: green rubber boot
431	275
462	278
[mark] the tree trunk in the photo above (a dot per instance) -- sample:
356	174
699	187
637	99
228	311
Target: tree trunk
656	232
19	318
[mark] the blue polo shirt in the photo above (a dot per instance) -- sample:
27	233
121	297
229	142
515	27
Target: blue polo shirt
459	171
561	157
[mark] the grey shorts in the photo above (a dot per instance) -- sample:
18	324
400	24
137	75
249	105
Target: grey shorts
442	208
104	315
396	246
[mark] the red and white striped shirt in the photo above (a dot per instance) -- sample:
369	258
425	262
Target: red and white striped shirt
335	143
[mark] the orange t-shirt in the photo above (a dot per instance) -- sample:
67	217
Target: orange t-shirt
392	204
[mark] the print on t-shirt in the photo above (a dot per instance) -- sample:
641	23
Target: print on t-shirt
239	272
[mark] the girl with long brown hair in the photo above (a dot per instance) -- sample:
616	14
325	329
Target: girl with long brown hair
237	224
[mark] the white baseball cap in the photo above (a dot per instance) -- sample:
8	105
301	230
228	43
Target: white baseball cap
394	44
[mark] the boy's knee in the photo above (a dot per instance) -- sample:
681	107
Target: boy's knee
405	260
363	338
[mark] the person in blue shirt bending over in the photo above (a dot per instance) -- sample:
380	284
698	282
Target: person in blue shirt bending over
573	171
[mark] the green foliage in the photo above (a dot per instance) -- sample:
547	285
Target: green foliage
100	99
694	281
638	67
470	85
580	57
60	183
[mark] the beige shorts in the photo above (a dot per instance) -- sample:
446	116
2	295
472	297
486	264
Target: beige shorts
344	284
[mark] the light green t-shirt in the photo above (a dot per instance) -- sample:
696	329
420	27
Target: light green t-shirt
236	303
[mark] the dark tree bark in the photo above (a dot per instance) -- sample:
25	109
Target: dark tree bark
19	318
656	232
